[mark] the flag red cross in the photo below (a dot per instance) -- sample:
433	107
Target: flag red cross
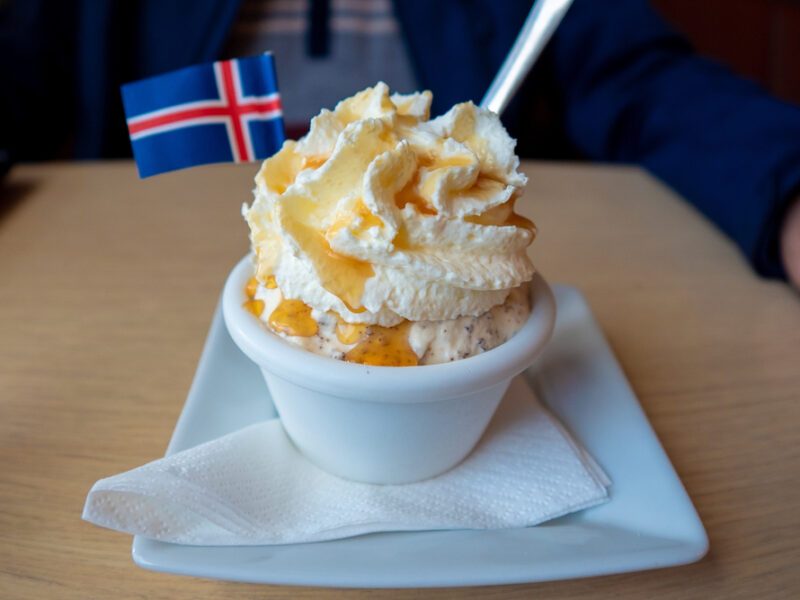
232	109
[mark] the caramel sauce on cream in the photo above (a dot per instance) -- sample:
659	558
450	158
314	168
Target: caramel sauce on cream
503	216
417	195
345	277
358	221
350	333
312	162
374	345
410	195
281	172
517	220
254	306
431	161
384	347
293	317
251	287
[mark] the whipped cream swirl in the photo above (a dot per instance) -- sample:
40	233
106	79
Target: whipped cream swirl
381	214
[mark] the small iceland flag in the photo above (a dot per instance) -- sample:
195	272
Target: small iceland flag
215	112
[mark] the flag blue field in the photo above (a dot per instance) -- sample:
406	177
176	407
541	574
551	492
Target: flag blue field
226	111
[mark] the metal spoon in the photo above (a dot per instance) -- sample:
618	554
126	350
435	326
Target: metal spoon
542	21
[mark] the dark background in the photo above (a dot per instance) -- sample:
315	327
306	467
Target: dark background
759	39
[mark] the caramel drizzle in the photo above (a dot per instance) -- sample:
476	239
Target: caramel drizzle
410	195
517	220
366	220
251	287
350	333
313	162
344	277
384	347
256	307
293	317
503	215
374	345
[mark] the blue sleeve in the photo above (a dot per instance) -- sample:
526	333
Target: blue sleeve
633	91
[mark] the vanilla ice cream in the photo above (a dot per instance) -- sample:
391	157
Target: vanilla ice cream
386	237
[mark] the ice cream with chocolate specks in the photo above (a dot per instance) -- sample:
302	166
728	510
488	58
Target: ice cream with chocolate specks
385	237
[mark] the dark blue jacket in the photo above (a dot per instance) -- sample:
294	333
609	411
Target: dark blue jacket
615	84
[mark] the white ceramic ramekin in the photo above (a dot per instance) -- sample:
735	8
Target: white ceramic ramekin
383	424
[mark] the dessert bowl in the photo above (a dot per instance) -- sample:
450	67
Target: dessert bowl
385	425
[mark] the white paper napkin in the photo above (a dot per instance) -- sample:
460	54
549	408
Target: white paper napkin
253	487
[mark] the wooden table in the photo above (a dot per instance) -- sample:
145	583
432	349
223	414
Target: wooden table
108	285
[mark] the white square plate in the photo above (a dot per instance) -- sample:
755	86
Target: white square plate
648	523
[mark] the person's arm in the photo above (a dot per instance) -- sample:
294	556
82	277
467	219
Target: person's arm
790	242
634	91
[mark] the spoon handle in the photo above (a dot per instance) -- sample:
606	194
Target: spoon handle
542	21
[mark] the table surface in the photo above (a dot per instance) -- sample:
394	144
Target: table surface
108	287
